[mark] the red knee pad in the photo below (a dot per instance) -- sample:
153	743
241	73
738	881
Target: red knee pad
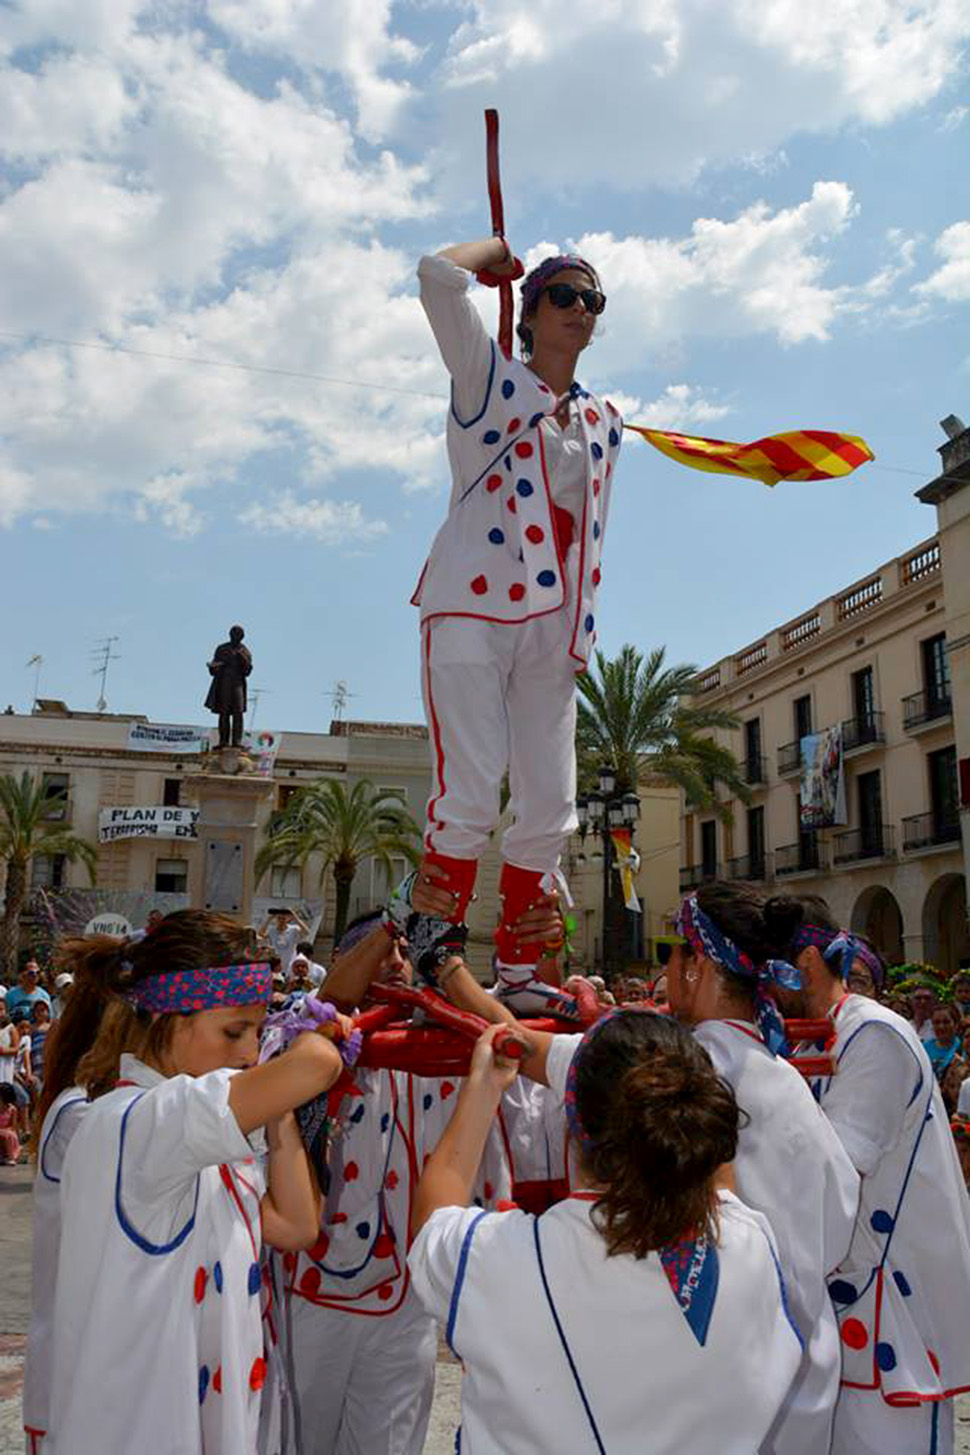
518	889
458	875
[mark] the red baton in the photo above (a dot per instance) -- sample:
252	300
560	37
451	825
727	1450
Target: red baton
498	225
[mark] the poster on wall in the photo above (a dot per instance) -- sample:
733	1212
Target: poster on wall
146	823
167	737
823	780
262	747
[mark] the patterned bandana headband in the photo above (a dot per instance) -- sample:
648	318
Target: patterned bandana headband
220	987
534	282
839	949
704	938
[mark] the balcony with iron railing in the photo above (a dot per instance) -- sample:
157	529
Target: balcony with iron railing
692	875
923	709
789	759
867	731
748	866
805	857
930	831
857	846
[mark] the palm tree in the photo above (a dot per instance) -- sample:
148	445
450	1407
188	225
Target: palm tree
343	826
638	716
26	832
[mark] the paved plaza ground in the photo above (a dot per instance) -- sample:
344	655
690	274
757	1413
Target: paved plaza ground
15	1183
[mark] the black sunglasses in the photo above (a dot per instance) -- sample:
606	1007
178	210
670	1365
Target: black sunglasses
564	295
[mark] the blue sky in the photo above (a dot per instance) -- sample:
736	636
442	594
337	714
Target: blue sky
776	211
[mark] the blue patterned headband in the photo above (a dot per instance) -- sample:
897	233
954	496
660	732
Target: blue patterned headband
704	938
839	949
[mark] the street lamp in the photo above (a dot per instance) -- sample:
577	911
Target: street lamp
599	812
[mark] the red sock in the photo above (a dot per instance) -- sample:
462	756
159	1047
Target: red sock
519	889
458	875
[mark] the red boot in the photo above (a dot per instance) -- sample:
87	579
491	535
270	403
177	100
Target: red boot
456	875
519	889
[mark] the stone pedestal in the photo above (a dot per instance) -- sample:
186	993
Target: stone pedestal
223	872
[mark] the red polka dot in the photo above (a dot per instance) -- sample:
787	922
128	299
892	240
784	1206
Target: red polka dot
503	1205
596	487
934	1361
514	425
319	1250
524	450
479	586
385	1292
310	1282
337	1218
352	1171
492	483
217	1380
200	1282
516	591
257	1375
384	1246
489	1190
535	534
596	576
391	1180
592	417
447	1089
855	1334
511	503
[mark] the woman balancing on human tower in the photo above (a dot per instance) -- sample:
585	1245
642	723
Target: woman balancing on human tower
507	594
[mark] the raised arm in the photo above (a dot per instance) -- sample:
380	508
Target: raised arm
353	970
458	329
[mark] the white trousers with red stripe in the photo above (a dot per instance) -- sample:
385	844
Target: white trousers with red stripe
501	697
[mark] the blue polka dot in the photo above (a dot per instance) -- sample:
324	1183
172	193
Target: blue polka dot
842	1291
589	623
523	487
363	1230
536	419
614	438
491	437
428	1101
203	1382
881	1221
496	536
902	1283
385	1121
253	1284
508	389
596	530
596	451
358	1114
217	1276
885	1357
546	578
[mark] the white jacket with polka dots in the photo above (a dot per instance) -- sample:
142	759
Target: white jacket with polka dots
496	556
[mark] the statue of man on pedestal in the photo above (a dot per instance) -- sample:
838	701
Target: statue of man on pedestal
230	666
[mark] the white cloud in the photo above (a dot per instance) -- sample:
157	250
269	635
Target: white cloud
691	83
335	522
680	406
950	281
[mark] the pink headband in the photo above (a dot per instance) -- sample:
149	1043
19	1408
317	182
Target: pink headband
219	987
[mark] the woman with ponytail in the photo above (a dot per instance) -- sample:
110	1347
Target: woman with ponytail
902	1290
646	1310
722	981
157	1330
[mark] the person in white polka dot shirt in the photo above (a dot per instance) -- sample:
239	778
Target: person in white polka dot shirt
507	596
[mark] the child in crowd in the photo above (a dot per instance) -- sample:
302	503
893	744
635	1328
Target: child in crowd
645	1307
157	1327
9	1140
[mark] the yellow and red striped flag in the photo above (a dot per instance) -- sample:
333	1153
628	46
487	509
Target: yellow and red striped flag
800	454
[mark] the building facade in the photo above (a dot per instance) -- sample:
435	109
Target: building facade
875	659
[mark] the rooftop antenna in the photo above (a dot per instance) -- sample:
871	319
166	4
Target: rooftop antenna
338	698
255	693
103	655
36	661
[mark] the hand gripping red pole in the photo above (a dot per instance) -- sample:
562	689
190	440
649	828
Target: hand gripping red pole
498	226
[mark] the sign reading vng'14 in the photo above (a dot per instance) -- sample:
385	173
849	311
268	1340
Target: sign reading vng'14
147	823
